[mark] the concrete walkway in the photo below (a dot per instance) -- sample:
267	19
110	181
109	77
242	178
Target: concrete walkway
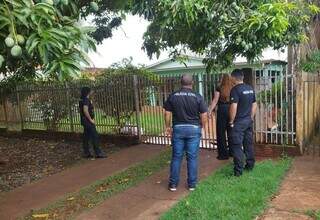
151	198
39	194
300	191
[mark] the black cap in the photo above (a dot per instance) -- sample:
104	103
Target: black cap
237	73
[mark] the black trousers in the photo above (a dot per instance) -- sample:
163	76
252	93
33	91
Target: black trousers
90	134
241	137
222	130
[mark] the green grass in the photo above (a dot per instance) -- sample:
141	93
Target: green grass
94	194
313	214
152	123
222	196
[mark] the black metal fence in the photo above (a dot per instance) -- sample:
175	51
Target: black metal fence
132	105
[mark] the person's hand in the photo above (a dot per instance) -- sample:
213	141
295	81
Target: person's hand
169	131
93	122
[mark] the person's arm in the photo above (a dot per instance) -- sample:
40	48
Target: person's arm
204	119
86	114
203	109
214	102
167	118
233	112
234	98
254	110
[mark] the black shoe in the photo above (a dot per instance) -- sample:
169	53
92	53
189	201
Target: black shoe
237	174
248	168
87	156
101	156
222	158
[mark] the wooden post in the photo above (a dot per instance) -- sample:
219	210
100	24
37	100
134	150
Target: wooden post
69	107
4	101
20	109
137	105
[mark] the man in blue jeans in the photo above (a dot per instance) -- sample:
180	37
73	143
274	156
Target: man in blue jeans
189	114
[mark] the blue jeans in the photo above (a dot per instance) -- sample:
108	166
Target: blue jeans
186	138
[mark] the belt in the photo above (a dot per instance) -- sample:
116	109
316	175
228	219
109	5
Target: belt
187	125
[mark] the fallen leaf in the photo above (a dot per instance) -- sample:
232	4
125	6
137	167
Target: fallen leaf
40	216
90	205
70	199
158	182
101	190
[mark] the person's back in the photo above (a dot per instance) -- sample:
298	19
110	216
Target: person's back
186	107
244	95
188	111
242	111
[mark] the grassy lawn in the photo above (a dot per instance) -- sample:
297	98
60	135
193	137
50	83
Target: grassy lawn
222	196
152	123
94	194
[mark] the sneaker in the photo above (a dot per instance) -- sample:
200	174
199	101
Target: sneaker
101	156
192	188
172	188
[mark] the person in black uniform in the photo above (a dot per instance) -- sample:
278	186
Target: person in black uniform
222	99
242	111
189	115
89	128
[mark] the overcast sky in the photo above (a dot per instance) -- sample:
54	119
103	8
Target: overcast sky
127	41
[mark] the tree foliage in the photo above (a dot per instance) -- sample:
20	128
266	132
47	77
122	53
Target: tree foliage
47	37
311	64
223	30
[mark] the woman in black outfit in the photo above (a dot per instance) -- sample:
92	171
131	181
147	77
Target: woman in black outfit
87	121
222	100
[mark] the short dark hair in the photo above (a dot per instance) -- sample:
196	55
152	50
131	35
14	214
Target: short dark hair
85	91
238	74
186	80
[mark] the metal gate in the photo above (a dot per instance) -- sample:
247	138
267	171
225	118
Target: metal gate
275	120
152	114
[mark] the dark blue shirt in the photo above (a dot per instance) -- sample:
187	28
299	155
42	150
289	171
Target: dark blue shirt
244	95
186	107
86	102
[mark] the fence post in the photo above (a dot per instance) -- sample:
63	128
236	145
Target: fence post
4	103
69	107
137	105
20	109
